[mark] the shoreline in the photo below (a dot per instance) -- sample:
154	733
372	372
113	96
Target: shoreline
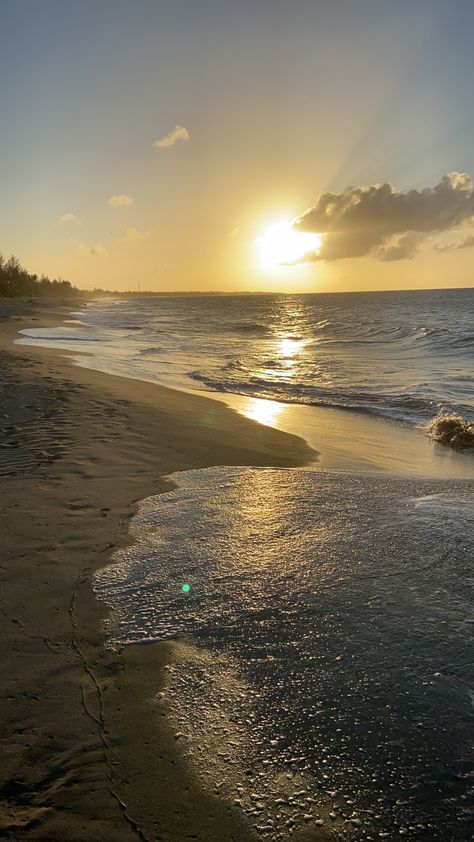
85	755
343	439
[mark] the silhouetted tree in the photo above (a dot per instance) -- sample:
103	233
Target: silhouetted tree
16	282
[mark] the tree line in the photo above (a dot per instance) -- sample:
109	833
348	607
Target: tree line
16	282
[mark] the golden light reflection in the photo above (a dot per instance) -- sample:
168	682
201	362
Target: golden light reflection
286	359
289	347
264	411
281	245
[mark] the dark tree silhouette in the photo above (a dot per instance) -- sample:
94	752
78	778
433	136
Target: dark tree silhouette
16	282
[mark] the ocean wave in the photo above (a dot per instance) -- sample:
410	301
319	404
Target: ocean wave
249	327
444	338
236	364
271	363
452	430
401	356
463	340
401	407
387	335
149	352
80	339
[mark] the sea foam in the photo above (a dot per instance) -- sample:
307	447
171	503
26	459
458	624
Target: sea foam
324	652
452	430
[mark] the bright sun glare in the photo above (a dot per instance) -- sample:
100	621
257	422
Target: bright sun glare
281	245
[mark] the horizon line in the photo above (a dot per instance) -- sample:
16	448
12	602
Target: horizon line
146	293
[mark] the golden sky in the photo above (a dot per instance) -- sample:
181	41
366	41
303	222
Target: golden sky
173	146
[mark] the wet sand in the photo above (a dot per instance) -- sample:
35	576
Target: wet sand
85	754
357	443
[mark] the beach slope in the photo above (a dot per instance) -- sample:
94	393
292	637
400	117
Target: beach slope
85	755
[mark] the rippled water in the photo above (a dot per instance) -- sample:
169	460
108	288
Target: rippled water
323	671
405	355
326	678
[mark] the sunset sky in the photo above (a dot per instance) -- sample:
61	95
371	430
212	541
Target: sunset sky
160	143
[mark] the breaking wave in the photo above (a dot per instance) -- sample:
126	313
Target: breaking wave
405	356
451	430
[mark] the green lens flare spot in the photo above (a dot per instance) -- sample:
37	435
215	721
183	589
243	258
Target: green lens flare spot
185	588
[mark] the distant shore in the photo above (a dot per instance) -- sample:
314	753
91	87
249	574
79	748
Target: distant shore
84	757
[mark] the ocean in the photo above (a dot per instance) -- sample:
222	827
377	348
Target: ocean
324	620
402	355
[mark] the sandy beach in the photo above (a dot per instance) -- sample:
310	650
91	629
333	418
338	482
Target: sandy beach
86	756
261	706
237	422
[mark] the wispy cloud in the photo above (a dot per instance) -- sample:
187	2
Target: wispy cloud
400	247
121	201
465	243
70	217
380	221
131	233
175	135
81	250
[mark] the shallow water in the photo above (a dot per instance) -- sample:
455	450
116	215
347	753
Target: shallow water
401	355
386	357
326	671
323	672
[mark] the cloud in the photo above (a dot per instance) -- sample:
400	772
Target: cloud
121	201
99	250
465	243
81	250
380	221
131	234
70	217
402	247
176	134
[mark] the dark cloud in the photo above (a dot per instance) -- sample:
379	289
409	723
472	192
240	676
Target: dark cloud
386	223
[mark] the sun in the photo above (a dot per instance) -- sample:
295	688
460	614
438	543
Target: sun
281	245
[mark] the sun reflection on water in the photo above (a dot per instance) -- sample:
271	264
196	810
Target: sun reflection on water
263	411
286	353
289	346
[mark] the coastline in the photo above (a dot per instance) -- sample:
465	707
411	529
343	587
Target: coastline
85	755
345	438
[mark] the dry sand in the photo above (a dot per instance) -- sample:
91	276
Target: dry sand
85	754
